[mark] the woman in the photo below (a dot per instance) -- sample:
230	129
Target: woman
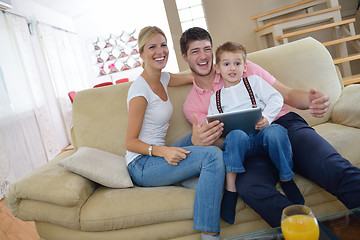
150	162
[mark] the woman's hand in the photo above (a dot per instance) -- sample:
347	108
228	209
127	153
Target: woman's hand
173	155
263	122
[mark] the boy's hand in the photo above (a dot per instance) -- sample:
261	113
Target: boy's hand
263	122
207	133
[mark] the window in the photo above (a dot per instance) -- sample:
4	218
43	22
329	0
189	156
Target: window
191	14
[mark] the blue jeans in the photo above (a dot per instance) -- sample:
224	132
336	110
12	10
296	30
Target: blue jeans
205	161
272	139
313	157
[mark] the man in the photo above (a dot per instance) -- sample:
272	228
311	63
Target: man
256	186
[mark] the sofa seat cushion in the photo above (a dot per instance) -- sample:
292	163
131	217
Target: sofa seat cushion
337	135
111	209
168	230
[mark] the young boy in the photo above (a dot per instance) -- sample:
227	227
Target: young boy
272	139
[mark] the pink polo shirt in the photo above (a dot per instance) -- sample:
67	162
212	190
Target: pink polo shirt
198	99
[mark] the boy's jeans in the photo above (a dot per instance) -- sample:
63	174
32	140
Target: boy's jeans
272	140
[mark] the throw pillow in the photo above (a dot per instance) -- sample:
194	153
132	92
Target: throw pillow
102	167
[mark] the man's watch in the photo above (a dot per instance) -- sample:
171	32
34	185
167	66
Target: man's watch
150	150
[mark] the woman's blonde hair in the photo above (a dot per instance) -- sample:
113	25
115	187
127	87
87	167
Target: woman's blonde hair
146	33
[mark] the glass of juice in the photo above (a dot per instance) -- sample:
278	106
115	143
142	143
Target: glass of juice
299	223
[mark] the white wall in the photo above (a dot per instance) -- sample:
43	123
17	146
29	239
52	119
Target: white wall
29	9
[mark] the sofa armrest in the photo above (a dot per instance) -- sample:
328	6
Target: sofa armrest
50	183
347	109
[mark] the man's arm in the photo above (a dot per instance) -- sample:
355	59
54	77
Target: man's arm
317	102
293	97
180	79
314	100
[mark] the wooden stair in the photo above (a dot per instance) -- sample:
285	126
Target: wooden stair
306	15
351	79
299	14
347	59
276	21
284	10
314	29
337	41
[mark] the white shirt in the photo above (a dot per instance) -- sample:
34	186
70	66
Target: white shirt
157	113
237	97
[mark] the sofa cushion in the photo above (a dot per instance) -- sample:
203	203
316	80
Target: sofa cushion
111	209
179	127
347	109
343	138
303	70
51	184
100	118
102	167
46	212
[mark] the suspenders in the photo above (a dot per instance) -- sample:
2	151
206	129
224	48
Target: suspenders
218	105
248	88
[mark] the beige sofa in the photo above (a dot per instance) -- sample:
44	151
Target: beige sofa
65	205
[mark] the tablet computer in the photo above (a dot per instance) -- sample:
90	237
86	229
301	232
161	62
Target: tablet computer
244	119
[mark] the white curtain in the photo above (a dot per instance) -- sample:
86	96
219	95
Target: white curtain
36	73
62	51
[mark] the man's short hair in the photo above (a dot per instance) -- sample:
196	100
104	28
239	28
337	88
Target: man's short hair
193	34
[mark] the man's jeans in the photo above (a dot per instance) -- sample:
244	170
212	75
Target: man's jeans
314	158
206	161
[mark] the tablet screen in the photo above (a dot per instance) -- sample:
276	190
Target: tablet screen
244	119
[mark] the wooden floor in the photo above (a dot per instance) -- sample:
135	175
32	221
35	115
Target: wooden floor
12	228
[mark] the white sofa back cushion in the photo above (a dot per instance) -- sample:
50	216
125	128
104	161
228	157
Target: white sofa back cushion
310	65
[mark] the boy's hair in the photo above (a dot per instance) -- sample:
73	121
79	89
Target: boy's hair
230	47
193	34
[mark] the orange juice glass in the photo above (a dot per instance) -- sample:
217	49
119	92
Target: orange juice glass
299	223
